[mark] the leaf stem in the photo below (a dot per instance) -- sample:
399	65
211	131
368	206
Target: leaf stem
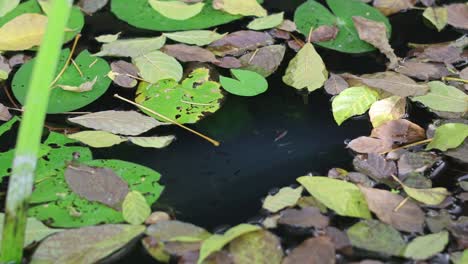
455	79
409	145
65	66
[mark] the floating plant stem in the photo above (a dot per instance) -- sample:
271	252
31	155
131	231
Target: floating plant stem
30	132
409	145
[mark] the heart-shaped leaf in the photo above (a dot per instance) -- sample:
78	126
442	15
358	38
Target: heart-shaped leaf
248	83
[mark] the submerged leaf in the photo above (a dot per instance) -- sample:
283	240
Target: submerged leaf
424	247
156	66
97	139
176	231
248	83
449	136
376	167
23	32
443	97
304	218
195	37
176	10
313	250
135	209
335	84
260	247
240	7
267	22
353	101
286	197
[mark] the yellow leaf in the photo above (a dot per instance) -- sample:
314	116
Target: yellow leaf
23	32
438	16
240	7
390	108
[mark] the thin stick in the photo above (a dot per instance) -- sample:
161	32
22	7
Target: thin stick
212	141
9	96
253	55
310	34
92	63
408	146
77	67
401	204
454	79
300	42
65	66
136	77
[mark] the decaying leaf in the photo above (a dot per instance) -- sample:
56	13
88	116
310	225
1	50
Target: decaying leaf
97	184
195	37
131	47
388	109
401	131
135	209
376	167
438	16
260	247
324	33
176	10
303	218
286	197
411	162
394	83
353	101
23	32
97	139
389	7
264	61
424	247
370	145
240	7
313	250
335	84
237	43
123	74
176	231
457	14
449	136
4	113
422	70
186	53
84	87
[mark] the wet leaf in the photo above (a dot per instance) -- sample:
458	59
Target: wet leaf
389	7
335	84
457	14
286	197
353	101
97	139
64	101
131	47
84	87
408	218
7	6
338	237
156	66
394	83
390	108
375	236
97	184
342	197
443	97
23	32
432	196
301	74
303	218
438	16
324	33
247	83
123	74
187	102
237	43
152	142
176	10
375	33
135	209
176	231
424	247
7	126
411	162
313	250
347	39
240	7
264	61
92	6
370	145
422	70
266	22
156	249
401	130
228	62
217	242
85	245
449	136
195	37
186	53
4	113
376	167
260	247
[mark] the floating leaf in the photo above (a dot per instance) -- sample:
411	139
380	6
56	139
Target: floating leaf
424	247
438	16
97	242
422	70
23	32
92	6
311	14
376	167
217	242
449	136
342	197
131	47
7	6
259	247
237	43
84	87
304	218
123	74
117	122
313	250
264	61
394	83
443	97
176	10
107	38
176	231
324	33
267	22
7	126
353	101
97	139
156	66
186	53
195	37
240	7
370	145
135	209
457	14
390	108
401	130
389	7
374	236
152	142
4	114
248	83
432	196
187	102
64	101
306	70
286	197
335	84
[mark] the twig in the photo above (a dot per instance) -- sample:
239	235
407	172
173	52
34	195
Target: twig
408	146
77	67
136	77
454	79
65	66
212	141
401	204
298	41
92	63
9	96
253	56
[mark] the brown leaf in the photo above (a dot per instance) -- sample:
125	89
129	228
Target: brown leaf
316	250
422	70
294	45
180	248
458	15
394	83
416	162
464	75
97	184
279	34
402	131
304	218
370	145
239	42
264	61
376	167
324	33
18	59
428	3
335	84
228	62
4	113
186	53
122	72
92	6
441	53
288	25
339	238
409	217
389	7
4	66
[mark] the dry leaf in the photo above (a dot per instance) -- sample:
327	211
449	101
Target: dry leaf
23	32
335	84
313	250
442	53
401	131
186	53
4	113
389	7
324	33
422	70
458	15
394	83
239	42
122	74
84	87
370	145
228	62
264	61
304	218
92	6
376	167
288	26
390	108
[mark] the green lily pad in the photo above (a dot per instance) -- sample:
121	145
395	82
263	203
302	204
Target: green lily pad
74	26
61	100
67	209
312	15
140	14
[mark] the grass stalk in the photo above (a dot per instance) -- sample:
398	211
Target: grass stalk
29	137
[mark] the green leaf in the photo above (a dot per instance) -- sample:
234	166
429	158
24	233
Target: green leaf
256	247
240	7
448	136
424	247
267	22
306	70
286	197
217	242
375	236
343	197
97	139
430	196
195	37
177	10
64	101
7	125
443	97
156	66
353	101
7	6
187	102
135	209
438	16
85	245
311	14
131	47
53	201
248	83
152	142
